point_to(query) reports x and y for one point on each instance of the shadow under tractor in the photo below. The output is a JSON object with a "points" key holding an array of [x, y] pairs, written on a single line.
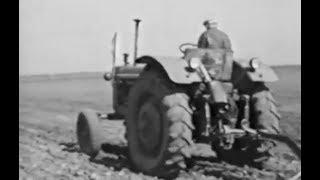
{"points": [[169, 104]]}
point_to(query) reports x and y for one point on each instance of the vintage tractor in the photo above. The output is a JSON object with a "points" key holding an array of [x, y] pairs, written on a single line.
{"points": [[171, 103]]}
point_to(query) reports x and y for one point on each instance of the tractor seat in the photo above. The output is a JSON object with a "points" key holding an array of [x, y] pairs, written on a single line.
{"points": [[218, 60]]}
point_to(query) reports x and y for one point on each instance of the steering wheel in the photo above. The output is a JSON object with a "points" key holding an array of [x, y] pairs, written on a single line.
{"points": [[184, 46]]}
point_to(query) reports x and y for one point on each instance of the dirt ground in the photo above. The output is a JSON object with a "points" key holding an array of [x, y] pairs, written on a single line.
{"points": [[48, 148]]}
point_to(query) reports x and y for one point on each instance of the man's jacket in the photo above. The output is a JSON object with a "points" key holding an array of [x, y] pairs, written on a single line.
{"points": [[214, 39]]}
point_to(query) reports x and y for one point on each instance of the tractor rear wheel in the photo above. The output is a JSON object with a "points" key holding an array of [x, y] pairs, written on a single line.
{"points": [[89, 132], [159, 126], [264, 116], [264, 111]]}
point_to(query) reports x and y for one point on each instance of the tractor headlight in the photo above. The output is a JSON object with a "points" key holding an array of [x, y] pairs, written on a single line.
{"points": [[107, 76], [254, 63], [194, 62]]}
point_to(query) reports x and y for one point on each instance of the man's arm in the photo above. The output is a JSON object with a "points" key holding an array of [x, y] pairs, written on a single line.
{"points": [[227, 43], [202, 43]]}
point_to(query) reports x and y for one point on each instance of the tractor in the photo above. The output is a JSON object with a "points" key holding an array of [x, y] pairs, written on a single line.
{"points": [[169, 104]]}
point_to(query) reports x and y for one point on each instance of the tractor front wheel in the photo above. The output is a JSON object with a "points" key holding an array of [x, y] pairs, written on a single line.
{"points": [[89, 132]]}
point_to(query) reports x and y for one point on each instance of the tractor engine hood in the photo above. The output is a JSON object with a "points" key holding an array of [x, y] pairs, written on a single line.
{"points": [[128, 71]]}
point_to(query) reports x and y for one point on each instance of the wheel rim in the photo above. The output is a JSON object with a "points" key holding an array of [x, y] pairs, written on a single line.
{"points": [[147, 147], [148, 127]]}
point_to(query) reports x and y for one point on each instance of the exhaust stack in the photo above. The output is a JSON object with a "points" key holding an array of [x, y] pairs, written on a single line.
{"points": [[137, 21]]}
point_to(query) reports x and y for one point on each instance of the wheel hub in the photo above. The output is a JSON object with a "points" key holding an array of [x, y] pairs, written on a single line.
{"points": [[149, 126]]}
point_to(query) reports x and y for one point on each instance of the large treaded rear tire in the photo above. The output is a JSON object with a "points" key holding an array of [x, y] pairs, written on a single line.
{"points": [[264, 111], [89, 132], [174, 132]]}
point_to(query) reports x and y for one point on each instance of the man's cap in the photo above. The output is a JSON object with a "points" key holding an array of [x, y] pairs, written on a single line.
{"points": [[210, 21]]}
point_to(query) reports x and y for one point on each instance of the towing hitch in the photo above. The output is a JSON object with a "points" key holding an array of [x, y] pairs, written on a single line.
{"points": [[246, 131]]}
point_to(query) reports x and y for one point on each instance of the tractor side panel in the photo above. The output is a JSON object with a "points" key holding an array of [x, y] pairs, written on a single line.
{"points": [[125, 77], [174, 67]]}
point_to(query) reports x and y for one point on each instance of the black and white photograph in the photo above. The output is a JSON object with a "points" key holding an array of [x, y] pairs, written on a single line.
{"points": [[160, 89]]}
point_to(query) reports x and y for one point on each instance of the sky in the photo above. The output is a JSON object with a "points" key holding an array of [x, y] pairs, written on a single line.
{"points": [[62, 36]]}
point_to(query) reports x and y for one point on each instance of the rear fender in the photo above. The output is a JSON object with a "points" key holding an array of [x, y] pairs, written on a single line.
{"points": [[175, 68], [262, 74], [246, 81]]}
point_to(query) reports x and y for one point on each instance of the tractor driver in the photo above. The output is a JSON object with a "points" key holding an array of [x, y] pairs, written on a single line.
{"points": [[213, 38]]}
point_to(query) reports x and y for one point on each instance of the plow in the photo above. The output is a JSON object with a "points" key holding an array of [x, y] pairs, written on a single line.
{"points": [[168, 104]]}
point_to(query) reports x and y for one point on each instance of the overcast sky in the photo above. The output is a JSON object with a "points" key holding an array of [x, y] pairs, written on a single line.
{"points": [[58, 36]]}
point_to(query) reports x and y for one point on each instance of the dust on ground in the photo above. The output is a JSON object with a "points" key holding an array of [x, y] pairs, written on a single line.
{"points": [[47, 142]]}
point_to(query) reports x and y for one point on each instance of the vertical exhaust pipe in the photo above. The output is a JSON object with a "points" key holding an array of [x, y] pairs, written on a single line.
{"points": [[137, 21]]}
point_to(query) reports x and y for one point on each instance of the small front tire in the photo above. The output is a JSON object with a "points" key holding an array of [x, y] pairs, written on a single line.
{"points": [[89, 132]]}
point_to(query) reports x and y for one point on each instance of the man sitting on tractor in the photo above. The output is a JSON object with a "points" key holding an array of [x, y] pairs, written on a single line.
{"points": [[213, 38]]}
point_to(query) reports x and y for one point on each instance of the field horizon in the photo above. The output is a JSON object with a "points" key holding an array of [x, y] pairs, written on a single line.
{"points": [[97, 74]]}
